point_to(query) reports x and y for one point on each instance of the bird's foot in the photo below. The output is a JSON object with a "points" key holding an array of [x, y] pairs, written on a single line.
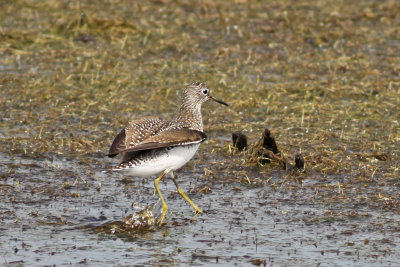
{"points": [[163, 215]]}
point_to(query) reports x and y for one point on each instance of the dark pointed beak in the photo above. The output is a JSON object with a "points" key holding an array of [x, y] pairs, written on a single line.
{"points": [[218, 101]]}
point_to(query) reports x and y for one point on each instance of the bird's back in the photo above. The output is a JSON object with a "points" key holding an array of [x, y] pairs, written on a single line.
{"points": [[151, 133], [136, 133]]}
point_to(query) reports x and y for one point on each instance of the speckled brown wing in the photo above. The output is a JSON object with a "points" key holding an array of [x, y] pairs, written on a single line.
{"points": [[135, 133], [118, 144], [175, 137]]}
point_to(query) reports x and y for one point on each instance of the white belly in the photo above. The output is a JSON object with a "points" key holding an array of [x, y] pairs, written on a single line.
{"points": [[173, 159]]}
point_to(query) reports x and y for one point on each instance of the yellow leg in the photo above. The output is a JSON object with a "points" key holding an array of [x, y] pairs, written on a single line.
{"points": [[164, 208], [180, 191]]}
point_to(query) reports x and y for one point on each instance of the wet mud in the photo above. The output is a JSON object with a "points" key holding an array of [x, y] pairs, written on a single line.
{"points": [[55, 211]]}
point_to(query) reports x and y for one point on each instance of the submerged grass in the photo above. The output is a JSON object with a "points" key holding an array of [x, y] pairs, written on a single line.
{"points": [[324, 76]]}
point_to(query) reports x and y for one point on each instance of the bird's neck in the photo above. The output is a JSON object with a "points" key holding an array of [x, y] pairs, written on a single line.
{"points": [[190, 116]]}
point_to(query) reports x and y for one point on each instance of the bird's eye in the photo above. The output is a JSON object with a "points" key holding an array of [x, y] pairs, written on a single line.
{"points": [[205, 91]]}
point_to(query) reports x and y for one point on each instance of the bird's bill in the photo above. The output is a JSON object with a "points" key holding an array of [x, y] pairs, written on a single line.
{"points": [[218, 101]]}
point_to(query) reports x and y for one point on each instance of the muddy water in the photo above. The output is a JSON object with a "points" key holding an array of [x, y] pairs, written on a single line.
{"points": [[50, 208]]}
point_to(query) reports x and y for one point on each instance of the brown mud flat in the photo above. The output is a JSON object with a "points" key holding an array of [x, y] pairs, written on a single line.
{"points": [[323, 76]]}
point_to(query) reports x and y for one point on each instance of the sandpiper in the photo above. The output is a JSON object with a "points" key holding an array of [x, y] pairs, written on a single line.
{"points": [[151, 146]]}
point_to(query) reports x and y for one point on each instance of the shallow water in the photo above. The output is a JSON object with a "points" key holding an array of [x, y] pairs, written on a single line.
{"points": [[50, 209]]}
